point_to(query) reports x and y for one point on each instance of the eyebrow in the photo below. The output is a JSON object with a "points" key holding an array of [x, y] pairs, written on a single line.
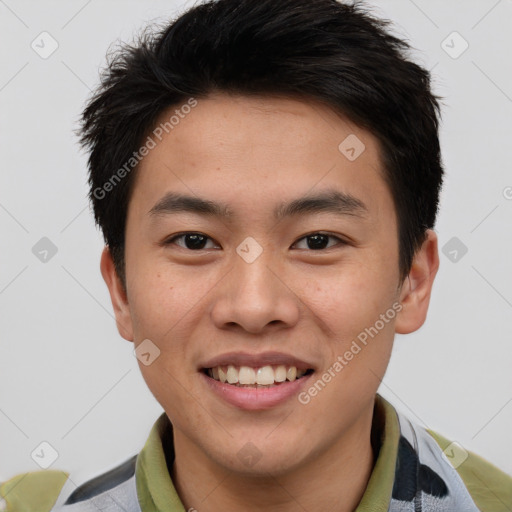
{"points": [[329, 201]]}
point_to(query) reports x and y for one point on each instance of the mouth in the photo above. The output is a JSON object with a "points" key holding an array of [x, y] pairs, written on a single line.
{"points": [[255, 382], [267, 376]]}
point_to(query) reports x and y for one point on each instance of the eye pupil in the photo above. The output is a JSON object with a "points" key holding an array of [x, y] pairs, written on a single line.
{"points": [[317, 241], [197, 241], [194, 241]]}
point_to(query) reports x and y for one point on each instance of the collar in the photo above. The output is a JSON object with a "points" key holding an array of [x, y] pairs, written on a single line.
{"points": [[156, 491]]}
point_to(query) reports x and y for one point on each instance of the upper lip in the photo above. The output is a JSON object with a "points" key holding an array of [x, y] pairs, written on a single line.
{"points": [[256, 360]]}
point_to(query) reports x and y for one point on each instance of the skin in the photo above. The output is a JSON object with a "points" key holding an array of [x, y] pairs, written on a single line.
{"points": [[253, 154]]}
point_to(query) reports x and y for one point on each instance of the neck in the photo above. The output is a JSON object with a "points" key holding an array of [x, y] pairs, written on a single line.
{"points": [[333, 480]]}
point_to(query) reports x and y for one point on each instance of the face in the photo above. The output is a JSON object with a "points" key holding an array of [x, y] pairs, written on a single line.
{"points": [[259, 248]]}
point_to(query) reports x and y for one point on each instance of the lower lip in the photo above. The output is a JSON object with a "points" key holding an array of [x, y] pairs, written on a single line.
{"points": [[254, 399]]}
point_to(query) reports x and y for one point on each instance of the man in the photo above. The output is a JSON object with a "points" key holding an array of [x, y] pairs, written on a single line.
{"points": [[266, 175]]}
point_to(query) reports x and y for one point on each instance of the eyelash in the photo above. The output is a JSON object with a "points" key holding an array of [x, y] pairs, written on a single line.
{"points": [[169, 241]]}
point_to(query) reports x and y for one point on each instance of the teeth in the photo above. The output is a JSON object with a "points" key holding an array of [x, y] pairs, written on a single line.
{"points": [[265, 375], [280, 373], [256, 377], [247, 375], [232, 374]]}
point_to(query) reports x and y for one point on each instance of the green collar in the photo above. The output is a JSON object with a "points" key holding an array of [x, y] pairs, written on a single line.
{"points": [[377, 496], [157, 493]]}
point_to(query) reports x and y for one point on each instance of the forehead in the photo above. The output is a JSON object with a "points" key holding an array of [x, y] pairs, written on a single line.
{"points": [[231, 125], [255, 150]]}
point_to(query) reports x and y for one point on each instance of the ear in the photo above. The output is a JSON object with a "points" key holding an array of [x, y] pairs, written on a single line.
{"points": [[117, 295], [416, 288]]}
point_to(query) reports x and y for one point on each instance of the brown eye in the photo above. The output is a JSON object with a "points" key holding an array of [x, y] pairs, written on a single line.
{"points": [[319, 241], [191, 241]]}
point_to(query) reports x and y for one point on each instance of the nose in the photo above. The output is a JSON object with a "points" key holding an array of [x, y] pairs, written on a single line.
{"points": [[255, 296]]}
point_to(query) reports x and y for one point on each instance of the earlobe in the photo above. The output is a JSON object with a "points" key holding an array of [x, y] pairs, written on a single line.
{"points": [[417, 287], [117, 295]]}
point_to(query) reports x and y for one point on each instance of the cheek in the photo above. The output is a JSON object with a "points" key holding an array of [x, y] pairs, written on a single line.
{"points": [[166, 308], [351, 297], [160, 299]]}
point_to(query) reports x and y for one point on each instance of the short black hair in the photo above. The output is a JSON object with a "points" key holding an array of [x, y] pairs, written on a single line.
{"points": [[324, 50]]}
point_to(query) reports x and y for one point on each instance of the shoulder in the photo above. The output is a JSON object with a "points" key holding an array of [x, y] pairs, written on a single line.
{"points": [[490, 487], [35, 491], [434, 473], [52, 491]]}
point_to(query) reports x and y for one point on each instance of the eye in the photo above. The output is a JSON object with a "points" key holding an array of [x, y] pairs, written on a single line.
{"points": [[191, 241], [318, 241], [198, 241]]}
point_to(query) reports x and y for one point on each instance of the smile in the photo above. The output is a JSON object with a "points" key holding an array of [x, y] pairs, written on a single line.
{"points": [[263, 376]]}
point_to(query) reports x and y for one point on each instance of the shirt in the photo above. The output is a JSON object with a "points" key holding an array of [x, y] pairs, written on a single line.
{"points": [[416, 470]]}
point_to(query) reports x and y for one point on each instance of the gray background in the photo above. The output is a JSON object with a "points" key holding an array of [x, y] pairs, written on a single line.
{"points": [[66, 376]]}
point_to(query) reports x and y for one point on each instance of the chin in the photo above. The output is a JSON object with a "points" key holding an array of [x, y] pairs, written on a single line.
{"points": [[259, 458], [267, 465]]}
